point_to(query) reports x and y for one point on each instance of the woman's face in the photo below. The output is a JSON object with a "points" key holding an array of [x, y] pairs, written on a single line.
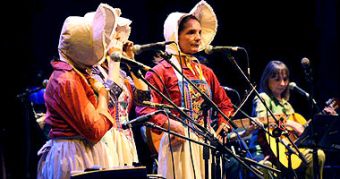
{"points": [[278, 83], [190, 37]]}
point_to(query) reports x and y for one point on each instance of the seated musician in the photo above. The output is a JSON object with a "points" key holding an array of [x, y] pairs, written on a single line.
{"points": [[275, 93]]}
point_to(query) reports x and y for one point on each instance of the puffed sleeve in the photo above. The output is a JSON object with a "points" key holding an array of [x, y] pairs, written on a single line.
{"points": [[80, 113]]}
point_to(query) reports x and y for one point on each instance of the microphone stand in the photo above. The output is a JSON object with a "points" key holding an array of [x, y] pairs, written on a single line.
{"points": [[315, 107], [210, 136], [206, 155], [27, 112], [243, 102], [279, 131]]}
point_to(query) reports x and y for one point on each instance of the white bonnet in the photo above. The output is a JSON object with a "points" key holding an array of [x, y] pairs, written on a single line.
{"points": [[205, 15], [83, 40]]}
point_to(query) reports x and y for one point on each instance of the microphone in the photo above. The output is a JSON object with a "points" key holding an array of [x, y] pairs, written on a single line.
{"points": [[137, 49], [139, 120], [305, 63], [292, 85], [210, 49], [163, 106], [116, 56], [228, 88], [29, 91], [44, 83]]}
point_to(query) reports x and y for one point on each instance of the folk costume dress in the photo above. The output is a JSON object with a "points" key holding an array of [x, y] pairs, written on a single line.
{"points": [[76, 126]]}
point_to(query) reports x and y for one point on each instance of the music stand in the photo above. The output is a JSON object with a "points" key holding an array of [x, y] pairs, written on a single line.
{"points": [[325, 136], [125, 172], [323, 132]]}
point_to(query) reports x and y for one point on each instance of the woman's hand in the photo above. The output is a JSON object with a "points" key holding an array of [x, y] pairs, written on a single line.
{"points": [[297, 127], [330, 111], [128, 50], [250, 130], [97, 86], [176, 127]]}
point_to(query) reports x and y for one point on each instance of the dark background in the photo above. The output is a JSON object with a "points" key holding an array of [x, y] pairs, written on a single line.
{"points": [[284, 30]]}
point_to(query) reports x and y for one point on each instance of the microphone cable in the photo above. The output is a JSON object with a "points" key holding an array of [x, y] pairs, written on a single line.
{"points": [[171, 150], [248, 64], [183, 97]]}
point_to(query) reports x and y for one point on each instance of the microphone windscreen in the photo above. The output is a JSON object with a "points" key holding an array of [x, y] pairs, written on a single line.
{"points": [[305, 61], [292, 85], [136, 49], [45, 82], [208, 49]]}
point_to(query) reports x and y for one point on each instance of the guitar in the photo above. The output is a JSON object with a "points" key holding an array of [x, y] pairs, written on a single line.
{"points": [[330, 109], [268, 142], [153, 140]]}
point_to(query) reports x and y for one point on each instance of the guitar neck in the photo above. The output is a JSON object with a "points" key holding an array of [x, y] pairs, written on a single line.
{"points": [[246, 122], [242, 123]]}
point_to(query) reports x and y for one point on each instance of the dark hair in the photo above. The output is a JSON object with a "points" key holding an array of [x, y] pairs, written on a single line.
{"points": [[273, 69], [184, 20]]}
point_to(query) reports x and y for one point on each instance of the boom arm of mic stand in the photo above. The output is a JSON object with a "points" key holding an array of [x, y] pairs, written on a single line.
{"points": [[202, 133], [314, 105], [242, 103], [29, 91], [154, 126], [232, 59]]}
